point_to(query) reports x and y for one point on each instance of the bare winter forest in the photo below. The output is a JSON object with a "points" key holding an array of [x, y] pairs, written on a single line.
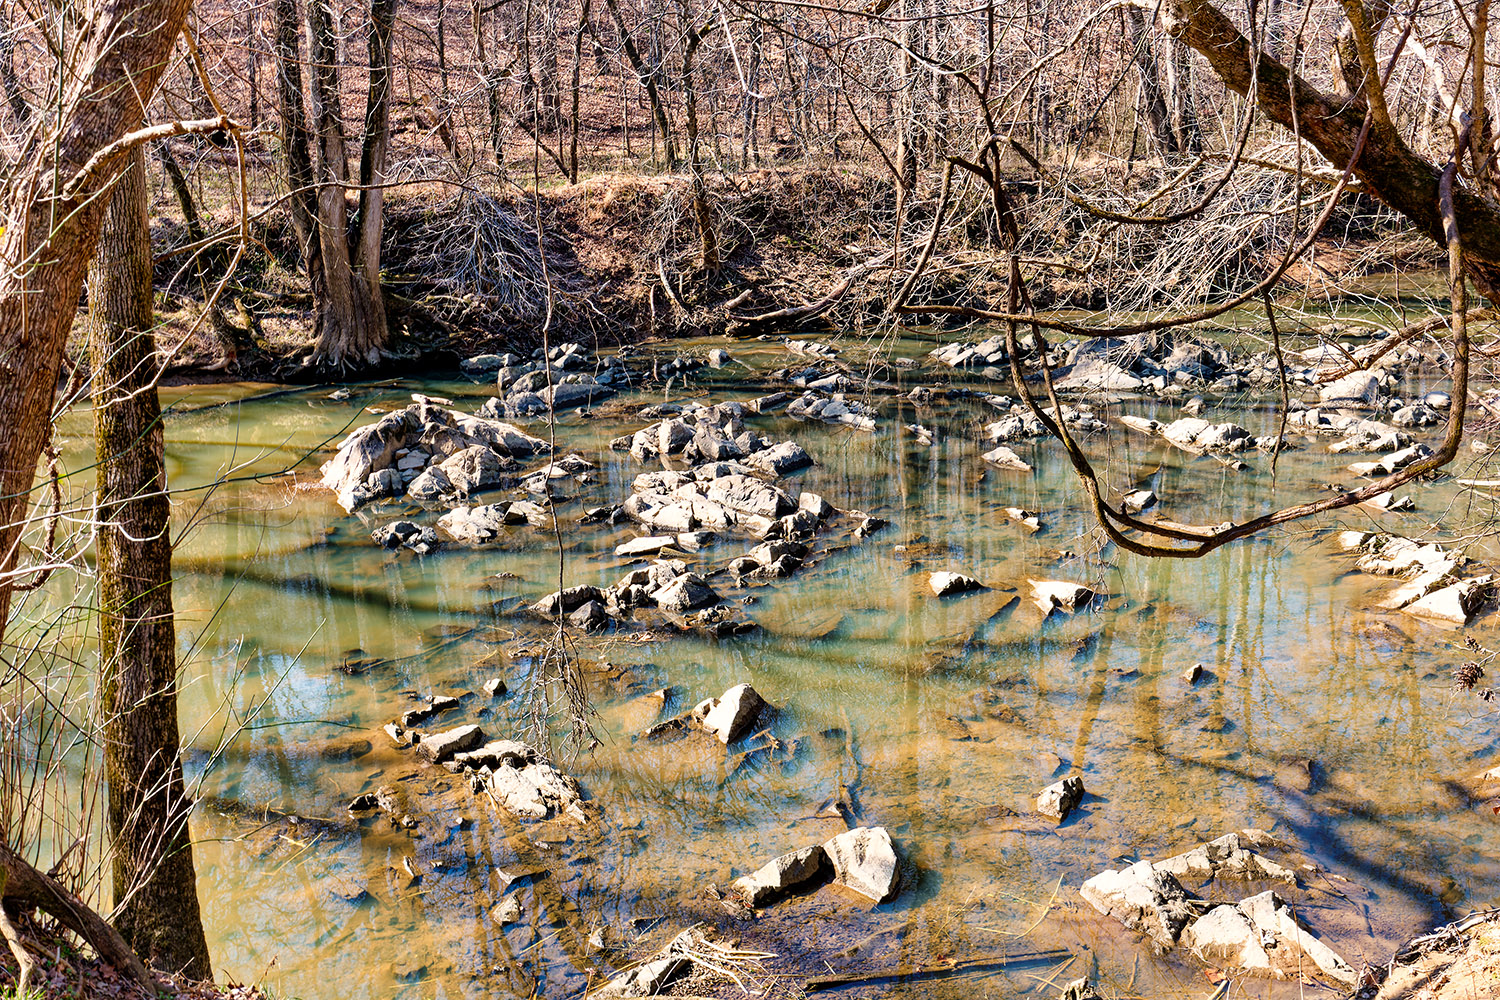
{"points": [[1285, 209], [619, 169]]}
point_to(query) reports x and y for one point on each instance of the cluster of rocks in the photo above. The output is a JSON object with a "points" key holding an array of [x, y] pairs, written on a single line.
{"points": [[862, 860], [1434, 587], [666, 585], [428, 452], [694, 433], [1020, 424], [833, 409], [566, 378], [987, 354], [1164, 364], [518, 777], [1259, 935], [1199, 436], [463, 525]]}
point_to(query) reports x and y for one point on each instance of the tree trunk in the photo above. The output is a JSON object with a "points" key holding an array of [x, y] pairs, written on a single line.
{"points": [[349, 324], [369, 224], [647, 76], [52, 214], [1149, 75], [155, 887], [294, 139], [708, 240]]}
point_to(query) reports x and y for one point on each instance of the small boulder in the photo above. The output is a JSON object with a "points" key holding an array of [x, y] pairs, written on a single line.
{"points": [[733, 714], [1353, 389], [946, 584], [864, 860], [439, 747], [687, 592], [1261, 936], [1060, 595], [1002, 457], [1455, 603], [565, 602], [1058, 800], [1142, 899], [781, 875]]}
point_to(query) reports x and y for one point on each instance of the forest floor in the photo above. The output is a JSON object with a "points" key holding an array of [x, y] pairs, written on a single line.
{"points": [[62, 971]]}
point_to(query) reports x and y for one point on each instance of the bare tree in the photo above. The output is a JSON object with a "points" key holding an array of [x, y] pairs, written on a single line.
{"points": [[155, 887]]}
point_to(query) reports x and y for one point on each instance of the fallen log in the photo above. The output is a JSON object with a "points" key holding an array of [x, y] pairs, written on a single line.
{"points": [[29, 888]]}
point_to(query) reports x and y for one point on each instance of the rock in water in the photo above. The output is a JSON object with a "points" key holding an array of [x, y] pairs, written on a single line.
{"points": [[1455, 603], [864, 860], [1262, 937], [731, 715], [1228, 857], [1004, 458], [1060, 595], [438, 747], [685, 593], [944, 584], [777, 877], [1059, 799], [1354, 388], [1142, 899]]}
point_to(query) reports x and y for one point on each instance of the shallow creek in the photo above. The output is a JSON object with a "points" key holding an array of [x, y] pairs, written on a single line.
{"points": [[301, 637]]}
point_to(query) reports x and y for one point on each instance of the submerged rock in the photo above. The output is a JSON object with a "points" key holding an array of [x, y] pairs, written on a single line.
{"points": [[864, 860]]}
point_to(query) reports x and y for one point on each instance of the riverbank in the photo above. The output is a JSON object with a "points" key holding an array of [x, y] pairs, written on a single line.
{"points": [[807, 247], [61, 970]]}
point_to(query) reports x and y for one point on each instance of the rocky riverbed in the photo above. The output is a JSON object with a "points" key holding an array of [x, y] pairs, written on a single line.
{"points": [[870, 705]]}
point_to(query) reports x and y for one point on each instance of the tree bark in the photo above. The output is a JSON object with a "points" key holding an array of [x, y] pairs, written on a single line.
{"points": [[154, 881], [51, 218], [349, 325], [1149, 75]]}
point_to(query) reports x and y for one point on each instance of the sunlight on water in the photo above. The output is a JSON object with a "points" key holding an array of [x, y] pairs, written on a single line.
{"points": [[301, 638]]}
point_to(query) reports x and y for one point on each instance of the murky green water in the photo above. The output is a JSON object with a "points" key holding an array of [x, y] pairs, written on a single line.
{"points": [[947, 716]]}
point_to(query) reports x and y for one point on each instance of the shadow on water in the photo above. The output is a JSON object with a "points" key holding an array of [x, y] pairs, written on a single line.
{"points": [[938, 719]]}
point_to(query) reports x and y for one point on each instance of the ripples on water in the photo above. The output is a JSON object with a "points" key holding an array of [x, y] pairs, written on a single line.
{"points": [[953, 714]]}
